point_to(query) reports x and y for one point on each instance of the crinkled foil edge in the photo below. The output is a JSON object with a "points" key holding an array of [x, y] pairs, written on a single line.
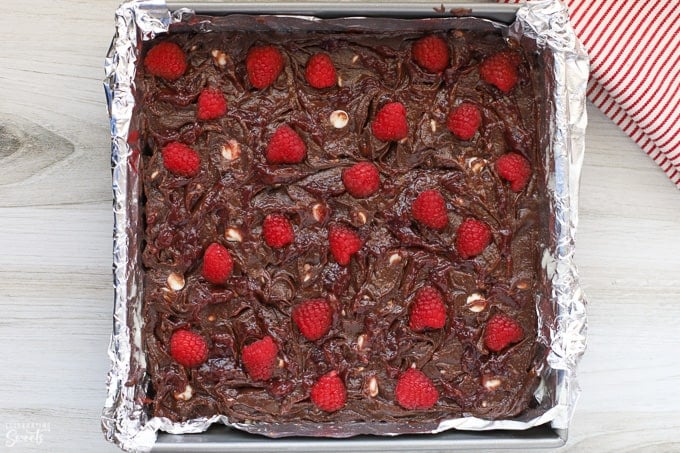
{"points": [[547, 21], [124, 420]]}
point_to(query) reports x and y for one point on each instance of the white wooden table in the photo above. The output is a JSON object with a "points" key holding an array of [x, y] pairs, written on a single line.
{"points": [[55, 253]]}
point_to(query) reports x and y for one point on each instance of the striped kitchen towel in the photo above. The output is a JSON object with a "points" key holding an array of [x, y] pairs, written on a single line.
{"points": [[634, 48]]}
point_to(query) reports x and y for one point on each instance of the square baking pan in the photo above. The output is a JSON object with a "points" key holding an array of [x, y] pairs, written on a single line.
{"points": [[222, 438], [562, 322]]}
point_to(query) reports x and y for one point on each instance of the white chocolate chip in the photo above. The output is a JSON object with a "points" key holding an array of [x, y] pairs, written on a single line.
{"points": [[175, 281], [231, 150], [211, 317], [319, 212], [522, 284], [219, 57], [281, 363], [233, 235], [491, 383], [339, 119], [361, 339], [433, 125], [403, 140], [395, 258], [154, 175], [476, 164], [308, 275], [355, 58], [185, 395], [473, 297], [484, 404], [339, 81], [476, 302], [373, 387], [361, 217]]}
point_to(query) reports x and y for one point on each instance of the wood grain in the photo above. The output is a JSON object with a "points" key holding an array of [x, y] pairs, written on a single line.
{"points": [[55, 252]]}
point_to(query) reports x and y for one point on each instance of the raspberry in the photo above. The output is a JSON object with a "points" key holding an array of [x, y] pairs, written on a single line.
{"points": [[464, 121], [343, 244], [431, 53], [502, 331], [429, 208], [320, 72], [259, 358], [415, 390], [329, 393], [361, 180], [180, 159], [390, 123], [472, 238], [277, 231], [313, 318], [500, 70], [286, 147], [514, 168], [166, 60], [264, 64], [217, 264], [428, 310], [188, 348], [211, 104]]}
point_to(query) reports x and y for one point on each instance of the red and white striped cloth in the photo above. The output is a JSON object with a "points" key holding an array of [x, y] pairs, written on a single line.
{"points": [[634, 48]]}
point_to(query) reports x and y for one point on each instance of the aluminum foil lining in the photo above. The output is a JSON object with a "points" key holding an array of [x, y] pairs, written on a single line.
{"points": [[545, 23]]}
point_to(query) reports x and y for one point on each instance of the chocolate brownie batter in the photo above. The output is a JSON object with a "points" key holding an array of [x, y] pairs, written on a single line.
{"points": [[370, 342]]}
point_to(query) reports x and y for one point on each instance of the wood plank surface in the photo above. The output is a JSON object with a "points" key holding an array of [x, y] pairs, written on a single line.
{"points": [[55, 253]]}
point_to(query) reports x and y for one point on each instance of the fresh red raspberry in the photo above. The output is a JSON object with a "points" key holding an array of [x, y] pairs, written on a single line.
{"points": [[429, 208], [313, 317], [501, 331], [415, 390], [264, 64], [181, 160], [188, 348], [464, 121], [431, 53], [343, 244], [428, 310], [329, 393], [514, 168], [286, 147], [166, 60], [320, 72], [361, 180], [211, 104], [472, 238], [259, 358], [390, 123], [217, 264], [277, 231], [500, 70]]}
